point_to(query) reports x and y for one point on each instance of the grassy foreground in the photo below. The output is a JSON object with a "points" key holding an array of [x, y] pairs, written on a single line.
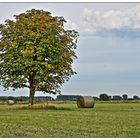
{"points": [[66, 120]]}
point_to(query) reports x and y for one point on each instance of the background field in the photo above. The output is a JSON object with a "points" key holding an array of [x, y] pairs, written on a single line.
{"points": [[66, 120]]}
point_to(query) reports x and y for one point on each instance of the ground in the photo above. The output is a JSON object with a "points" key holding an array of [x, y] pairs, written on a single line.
{"points": [[66, 120]]}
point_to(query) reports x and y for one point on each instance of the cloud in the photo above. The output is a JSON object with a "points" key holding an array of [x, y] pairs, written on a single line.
{"points": [[122, 32], [115, 22]]}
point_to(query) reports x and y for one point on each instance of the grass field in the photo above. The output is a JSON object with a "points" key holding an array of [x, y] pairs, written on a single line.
{"points": [[66, 120]]}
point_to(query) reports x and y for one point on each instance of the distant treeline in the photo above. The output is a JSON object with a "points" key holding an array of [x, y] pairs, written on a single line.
{"points": [[25, 98], [106, 97], [67, 98]]}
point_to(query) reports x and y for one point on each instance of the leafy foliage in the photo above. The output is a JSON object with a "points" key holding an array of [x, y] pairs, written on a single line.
{"points": [[104, 97], [36, 52]]}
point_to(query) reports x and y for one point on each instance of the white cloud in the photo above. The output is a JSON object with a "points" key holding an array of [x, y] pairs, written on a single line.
{"points": [[93, 21]]}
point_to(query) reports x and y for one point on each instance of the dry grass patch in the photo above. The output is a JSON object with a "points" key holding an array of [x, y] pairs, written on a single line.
{"points": [[37, 106]]}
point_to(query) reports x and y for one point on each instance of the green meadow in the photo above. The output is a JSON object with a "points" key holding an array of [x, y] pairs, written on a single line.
{"points": [[65, 120]]}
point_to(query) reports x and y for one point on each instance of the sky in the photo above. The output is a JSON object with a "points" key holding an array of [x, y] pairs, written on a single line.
{"points": [[108, 46]]}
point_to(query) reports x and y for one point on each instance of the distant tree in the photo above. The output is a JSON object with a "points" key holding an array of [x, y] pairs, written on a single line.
{"points": [[135, 97], [104, 97], [36, 52], [125, 96], [3, 98], [11, 98]]}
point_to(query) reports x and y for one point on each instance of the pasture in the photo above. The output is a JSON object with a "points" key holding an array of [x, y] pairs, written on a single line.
{"points": [[66, 120]]}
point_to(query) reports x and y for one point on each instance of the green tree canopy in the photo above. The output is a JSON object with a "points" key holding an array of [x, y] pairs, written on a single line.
{"points": [[104, 97], [36, 52]]}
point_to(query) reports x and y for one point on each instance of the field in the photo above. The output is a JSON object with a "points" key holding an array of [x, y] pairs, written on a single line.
{"points": [[66, 120]]}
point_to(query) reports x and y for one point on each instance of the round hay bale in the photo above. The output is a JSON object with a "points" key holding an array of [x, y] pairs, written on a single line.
{"points": [[10, 102], [85, 102]]}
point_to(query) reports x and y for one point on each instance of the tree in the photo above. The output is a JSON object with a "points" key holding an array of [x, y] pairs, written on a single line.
{"points": [[125, 96], [36, 52], [104, 97]]}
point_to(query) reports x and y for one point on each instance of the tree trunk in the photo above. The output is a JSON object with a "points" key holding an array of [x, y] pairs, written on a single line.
{"points": [[32, 90], [31, 96]]}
